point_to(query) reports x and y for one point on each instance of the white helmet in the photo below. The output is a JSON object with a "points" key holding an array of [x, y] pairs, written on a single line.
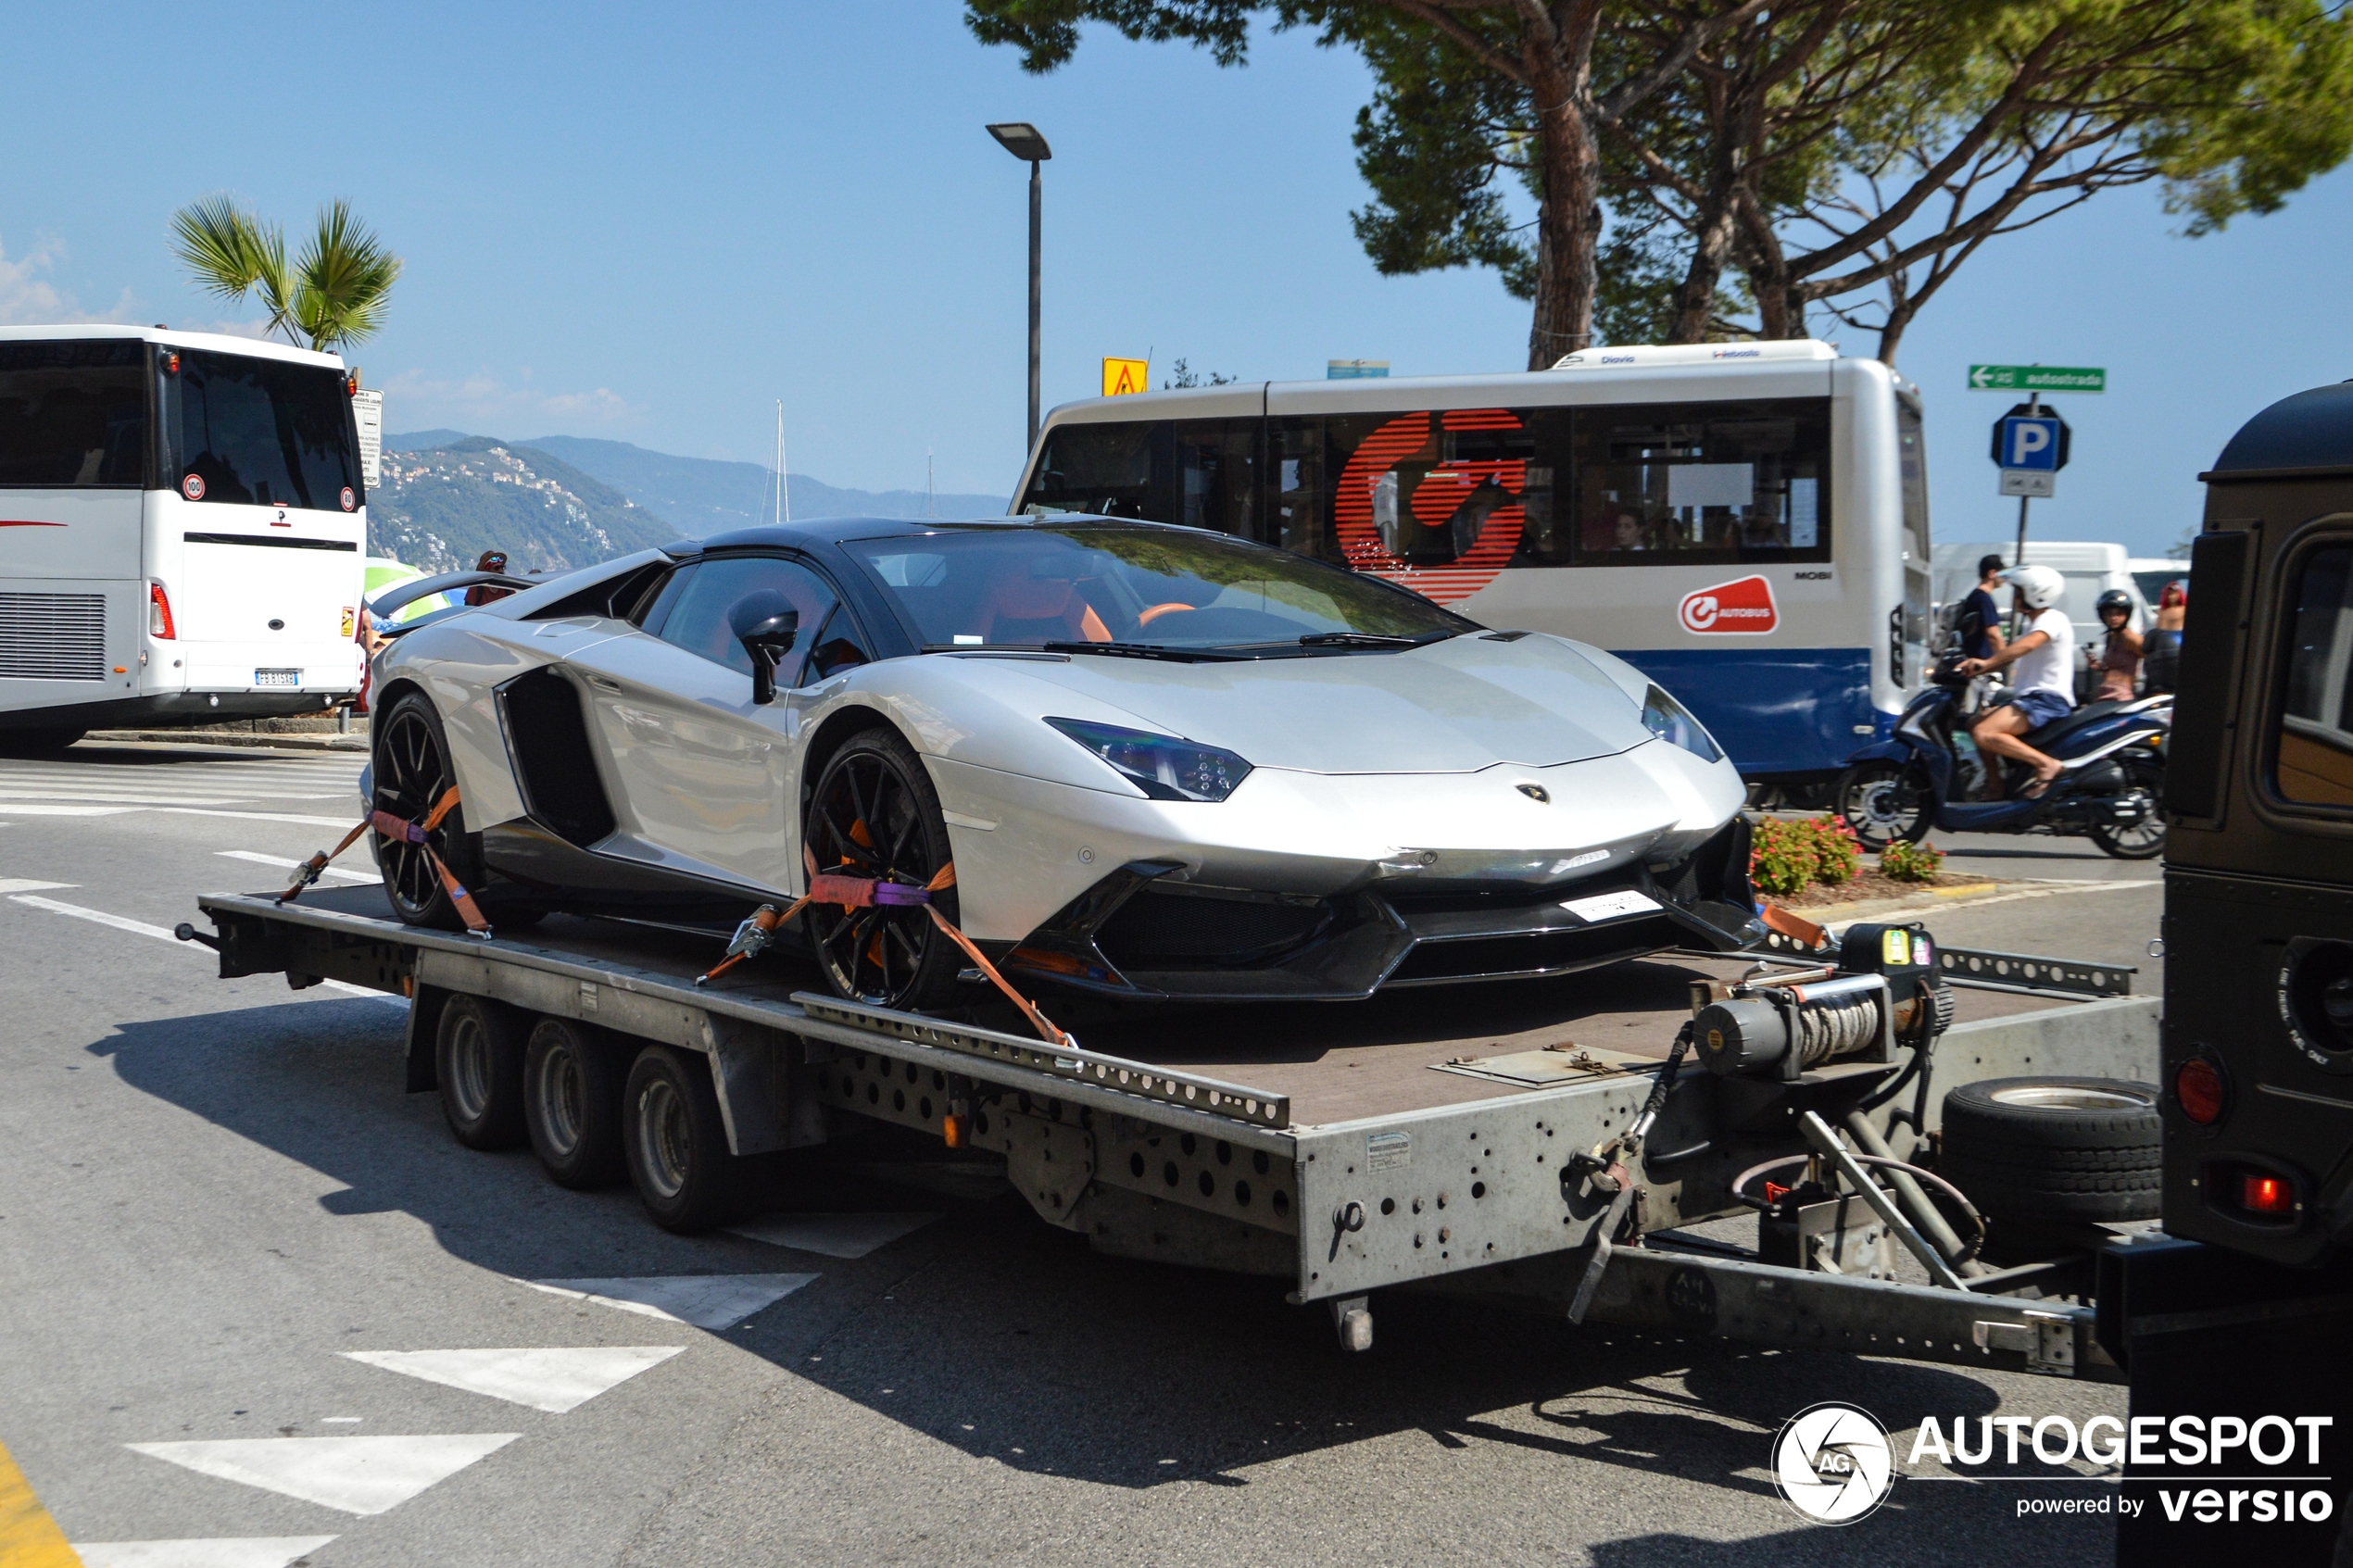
{"points": [[2039, 585]]}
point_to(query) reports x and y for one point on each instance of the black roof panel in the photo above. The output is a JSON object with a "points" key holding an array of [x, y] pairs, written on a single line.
{"points": [[2311, 430]]}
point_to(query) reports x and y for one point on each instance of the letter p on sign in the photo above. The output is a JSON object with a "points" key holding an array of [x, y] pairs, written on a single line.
{"points": [[2031, 444]]}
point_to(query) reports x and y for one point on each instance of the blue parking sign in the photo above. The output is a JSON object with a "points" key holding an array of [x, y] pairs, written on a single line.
{"points": [[2032, 442]]}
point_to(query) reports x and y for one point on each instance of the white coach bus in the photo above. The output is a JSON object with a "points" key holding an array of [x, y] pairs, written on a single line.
{"points": [[1747, 523], [181, 526]]}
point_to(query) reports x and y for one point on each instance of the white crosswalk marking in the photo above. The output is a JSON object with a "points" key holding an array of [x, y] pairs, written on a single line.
{"points": [[219, 1551], [712, 1301], [360, 1475], [550, 1380], [336, 872]]}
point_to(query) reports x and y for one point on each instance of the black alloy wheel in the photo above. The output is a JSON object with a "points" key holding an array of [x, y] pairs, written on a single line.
{"points": [[2142, 836], [1885, 801], [411, 772], [875, 815]]}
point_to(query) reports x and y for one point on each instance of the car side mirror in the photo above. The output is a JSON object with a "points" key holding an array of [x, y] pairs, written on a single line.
{"points": [[767, 641]]}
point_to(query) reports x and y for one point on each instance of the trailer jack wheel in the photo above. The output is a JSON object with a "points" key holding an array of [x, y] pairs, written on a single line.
{"points": [[1352, 1316]]}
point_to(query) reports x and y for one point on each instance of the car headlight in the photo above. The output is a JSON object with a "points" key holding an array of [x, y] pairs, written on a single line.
{"points": [[1671, 722], [1161, 766]]}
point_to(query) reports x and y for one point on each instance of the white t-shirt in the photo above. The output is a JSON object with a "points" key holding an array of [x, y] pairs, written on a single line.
{"points": [[2051, 667]]}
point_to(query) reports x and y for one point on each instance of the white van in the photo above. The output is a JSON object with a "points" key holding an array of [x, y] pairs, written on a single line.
{"points": [[2090, 569], [181, 525]]}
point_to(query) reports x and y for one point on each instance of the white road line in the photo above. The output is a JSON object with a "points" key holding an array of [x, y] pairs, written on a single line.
{"points": [[26, 884], [712, 1301], [10, 796], [141, 928], [552, 1380], [247, 816], [38, 808], [219, 1551], [259, 859], [360, 1475], [834, 1235]]}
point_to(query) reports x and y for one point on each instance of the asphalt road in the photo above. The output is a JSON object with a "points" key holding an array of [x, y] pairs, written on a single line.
{"points": [[215, 1201]]}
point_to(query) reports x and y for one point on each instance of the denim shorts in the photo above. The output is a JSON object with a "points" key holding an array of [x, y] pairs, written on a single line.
{"points": [[2041, 708]]}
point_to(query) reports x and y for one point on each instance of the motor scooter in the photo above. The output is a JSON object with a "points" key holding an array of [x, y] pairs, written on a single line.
{"points": [[2110, 789]]}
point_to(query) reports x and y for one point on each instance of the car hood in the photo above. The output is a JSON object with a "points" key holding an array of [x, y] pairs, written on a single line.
{"points": [[1455, 707]]}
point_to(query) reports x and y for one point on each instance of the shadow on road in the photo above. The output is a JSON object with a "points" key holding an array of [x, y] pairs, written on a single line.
{"points": [[1000, 1337]]}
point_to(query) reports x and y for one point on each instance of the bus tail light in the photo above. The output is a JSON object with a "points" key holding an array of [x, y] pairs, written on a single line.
{"points": [[160, 613]]}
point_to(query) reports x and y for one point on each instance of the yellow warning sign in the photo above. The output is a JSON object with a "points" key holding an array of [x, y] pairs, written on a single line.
{"points": [[1123, 376]]}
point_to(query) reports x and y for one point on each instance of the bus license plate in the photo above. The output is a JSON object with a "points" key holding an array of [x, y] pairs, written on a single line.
{"points": [[277, 677]]}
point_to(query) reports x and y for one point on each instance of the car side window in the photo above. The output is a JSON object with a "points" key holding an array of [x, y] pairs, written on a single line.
{"points": [[838, 647], [721, 590], [2312, 736]]}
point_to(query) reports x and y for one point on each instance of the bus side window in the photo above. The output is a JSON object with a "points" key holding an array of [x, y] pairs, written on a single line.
{"points": [[1125, 469], [1719, 482], [1217, 477], [1295, 500]]}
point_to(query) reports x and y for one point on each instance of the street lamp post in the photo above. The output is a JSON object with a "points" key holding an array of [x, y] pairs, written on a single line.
{"points": [[1023, 142]]}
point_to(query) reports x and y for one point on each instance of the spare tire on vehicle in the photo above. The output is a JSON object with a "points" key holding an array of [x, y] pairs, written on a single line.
{"points": [[2032, 1153]]}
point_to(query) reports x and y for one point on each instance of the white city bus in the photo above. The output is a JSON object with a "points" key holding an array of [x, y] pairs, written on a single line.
{"points": [[1745, 522], [181, 526]]}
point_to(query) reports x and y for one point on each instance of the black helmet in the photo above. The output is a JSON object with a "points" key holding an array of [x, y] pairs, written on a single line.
{"points": [[2115, 598]]}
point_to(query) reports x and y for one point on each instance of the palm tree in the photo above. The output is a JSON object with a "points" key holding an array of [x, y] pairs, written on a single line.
{"points": [[334, 291]]}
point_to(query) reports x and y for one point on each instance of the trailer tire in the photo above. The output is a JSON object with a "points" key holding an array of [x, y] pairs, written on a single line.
{"points": [[2035, 1151], [675, 1142], [478, 1052], [572, 1076]]}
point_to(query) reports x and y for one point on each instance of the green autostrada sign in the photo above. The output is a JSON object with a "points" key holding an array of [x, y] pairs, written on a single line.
{"points": [[2037, 378]]}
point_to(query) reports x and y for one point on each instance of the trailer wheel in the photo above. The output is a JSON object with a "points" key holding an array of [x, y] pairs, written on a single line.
{"points": [[675, 1142], [573, 1081], [2035, 1151], [478, 1053]]}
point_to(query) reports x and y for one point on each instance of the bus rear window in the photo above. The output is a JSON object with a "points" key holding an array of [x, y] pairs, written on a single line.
{"points": [[73, 415], [261, 433]]}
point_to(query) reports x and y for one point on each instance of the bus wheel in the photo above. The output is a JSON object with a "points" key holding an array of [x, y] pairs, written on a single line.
{"points": [[1885, 801]]}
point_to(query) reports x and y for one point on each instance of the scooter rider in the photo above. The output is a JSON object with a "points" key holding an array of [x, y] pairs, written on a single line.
{"points": [[2042, 689]]}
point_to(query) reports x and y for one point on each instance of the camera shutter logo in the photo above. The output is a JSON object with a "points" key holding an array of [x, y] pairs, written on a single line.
{"points": [[1833, 1462]]}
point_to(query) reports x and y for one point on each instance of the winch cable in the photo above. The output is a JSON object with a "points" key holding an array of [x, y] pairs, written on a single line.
{"points": [[1609, 1163], [400, 831], [1969, 1248], [754, 935]]}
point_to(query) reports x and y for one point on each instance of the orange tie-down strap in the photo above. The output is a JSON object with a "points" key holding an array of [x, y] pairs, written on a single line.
{"points": [[400, 830], [863, 893], [1797, 927]]}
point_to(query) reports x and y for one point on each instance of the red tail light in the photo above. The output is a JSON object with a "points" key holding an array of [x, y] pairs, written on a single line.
{"points": [[2199, 1090], [160, 613], [2265, 1195]]}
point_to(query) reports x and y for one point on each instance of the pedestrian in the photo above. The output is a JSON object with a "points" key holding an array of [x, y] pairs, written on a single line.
{"points": [[1981, 621], [2120, 662], [487, 593], [2163, 664]]}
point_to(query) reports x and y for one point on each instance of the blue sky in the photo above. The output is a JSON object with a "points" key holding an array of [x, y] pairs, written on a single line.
{"points": [[649, 224]]}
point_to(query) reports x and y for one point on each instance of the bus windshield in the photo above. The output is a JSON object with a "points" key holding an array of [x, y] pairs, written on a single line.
{"points": [[73, 415], [1165, 589], [257, 432]]}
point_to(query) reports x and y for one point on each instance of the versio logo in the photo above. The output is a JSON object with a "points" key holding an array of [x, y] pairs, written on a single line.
{"points": [[1831, 1463], [1742, 605]]}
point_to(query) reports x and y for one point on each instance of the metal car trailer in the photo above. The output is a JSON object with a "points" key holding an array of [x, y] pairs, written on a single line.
{"points": [[1362, 1149]]}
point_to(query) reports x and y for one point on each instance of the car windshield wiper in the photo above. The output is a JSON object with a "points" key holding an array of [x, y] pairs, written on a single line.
{"points": [[1138, 650], [1369, 640]]}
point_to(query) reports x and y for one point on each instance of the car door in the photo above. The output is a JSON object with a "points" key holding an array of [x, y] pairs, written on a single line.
{"points": [[702, 771]]}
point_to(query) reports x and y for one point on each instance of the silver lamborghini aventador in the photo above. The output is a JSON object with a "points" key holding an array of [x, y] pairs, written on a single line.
{"points": [[1166, 763]]}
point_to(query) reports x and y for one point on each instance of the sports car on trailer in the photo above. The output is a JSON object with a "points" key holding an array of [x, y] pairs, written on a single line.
{"points": [[1166, 763]]}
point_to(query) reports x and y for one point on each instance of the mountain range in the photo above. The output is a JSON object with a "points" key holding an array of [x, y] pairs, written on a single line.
{"points": [[557, 502]]}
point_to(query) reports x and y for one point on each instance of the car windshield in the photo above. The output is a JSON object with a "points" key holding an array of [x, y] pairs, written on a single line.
{"points": [[1169, 590]]}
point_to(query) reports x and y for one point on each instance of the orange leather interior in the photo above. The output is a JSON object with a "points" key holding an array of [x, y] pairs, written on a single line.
{"points": [[1027, 598]]}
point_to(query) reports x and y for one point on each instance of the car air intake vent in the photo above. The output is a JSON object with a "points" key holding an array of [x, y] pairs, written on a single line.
{"points": [[1158, 930], [53, 637], [1549, 952]]}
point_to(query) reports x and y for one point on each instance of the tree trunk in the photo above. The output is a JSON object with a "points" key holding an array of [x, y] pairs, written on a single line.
{"points": [[1695, 299], [1568, 219]]}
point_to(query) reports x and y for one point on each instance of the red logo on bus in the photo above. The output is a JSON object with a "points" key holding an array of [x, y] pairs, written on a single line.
{"points": [[1742, 605], [1414, 506]]}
